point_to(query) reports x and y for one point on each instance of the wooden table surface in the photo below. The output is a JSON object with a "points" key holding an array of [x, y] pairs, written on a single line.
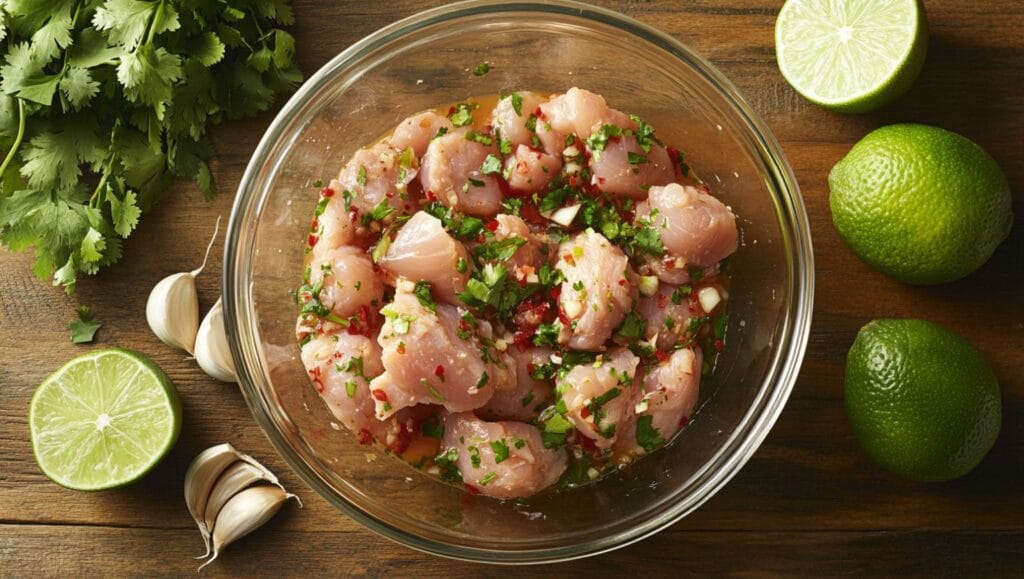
{"points": [[809, 502]]}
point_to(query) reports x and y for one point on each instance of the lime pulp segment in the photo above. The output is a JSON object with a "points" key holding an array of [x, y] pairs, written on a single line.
{"points": [[103, 420], [837, 52]]}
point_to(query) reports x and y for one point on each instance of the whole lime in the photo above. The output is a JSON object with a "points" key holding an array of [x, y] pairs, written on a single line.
{"points": [[920, 203], [921, 400]]}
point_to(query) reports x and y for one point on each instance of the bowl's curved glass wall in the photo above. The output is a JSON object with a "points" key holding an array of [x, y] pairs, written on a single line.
{"points": [[428, 60]]}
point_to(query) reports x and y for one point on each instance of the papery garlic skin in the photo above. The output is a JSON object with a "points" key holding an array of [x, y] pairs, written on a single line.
{"points": [[244, 513], [238, 476], [172, 311], [200, 478], [211, 346]]}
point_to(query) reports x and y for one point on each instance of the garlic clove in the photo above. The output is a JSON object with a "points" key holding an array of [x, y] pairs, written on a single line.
{"points": [[205, 473], [172, 311], [211, 348], [202, 474], [244, 513], [238, 476]]}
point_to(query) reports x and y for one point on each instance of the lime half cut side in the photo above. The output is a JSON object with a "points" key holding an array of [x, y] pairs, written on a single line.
{"points": [[103, 420], [851, 55]]}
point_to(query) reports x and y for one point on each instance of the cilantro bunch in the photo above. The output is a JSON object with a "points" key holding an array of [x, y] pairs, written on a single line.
{"points": [[104, 103]]}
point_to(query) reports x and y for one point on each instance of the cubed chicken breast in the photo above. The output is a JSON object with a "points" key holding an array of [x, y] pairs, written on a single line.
{"points": [[693, 224], [623, 168], [529, 395], [380, 174], [503, 460], [347, 280], [599, 288], [417, 131], [423, 251], [600, 397], [463, 173]]}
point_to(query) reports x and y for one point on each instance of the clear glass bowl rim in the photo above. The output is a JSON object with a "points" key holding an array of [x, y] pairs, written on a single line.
{"points": [[787, 355]]}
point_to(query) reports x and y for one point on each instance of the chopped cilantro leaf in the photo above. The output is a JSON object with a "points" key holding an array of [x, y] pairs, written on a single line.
{"points": [[648, 241], [463, 114], [646, 435], [484, 378], [422, 292], [491, 165], [547, 334], [446, 461], [487, 478], [350, 388], [599, 139], [83, 330], [379, 213], [635, 158], [721, 321], [505, 147], [517, 103], [432, 427], [481, 69], [632, 327], [512, 205], [681, 293], [481, 138], [500, 451], [501, 250]]}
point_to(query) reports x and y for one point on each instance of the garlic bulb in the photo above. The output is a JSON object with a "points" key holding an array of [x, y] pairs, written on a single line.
{"points": [[211, 349], [172, 309], [244, 513]]}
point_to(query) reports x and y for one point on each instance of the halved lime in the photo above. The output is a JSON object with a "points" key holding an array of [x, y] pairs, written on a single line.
{"points": [[851, 55], [103, 420]]}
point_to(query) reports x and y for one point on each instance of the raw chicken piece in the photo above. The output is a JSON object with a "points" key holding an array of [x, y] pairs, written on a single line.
{"points": [[693, 225], [528, 396], [478, 449], [423, 251], [613, 173], [528, 258], [433, 357], [664, 318], [511, 125], [417, 131], [580, 112], [335, 225], [600, 398], [377, 174], [348, 280], [451, 171], [598, 290], [339, 364], [530, 171], [670, 392]]}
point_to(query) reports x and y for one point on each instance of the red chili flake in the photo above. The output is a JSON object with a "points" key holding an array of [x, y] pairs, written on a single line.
{"points": [[380, 395], [673, 154], [719, 345], [451, 111], [480, 238], [539, 113], [401, 348], [464, 326], [556, 292], [584, 412], [316, 375], [365, 436], [587, 444], [601, 180], [492, 225], [522, 339], [353, 330], [403, 438], [622, 282], [315, 225], [471, 489], [327, 192], [563, 318], [530, 367], [573, 180], [313, 239], [662, 301], [364, 313], [668, 262], [684, 421], [389, 194], [439, 371], [431, 196], [661, 356], [568, 258]]}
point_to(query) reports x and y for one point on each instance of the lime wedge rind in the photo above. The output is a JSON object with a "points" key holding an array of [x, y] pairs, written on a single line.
{"points": [[103, 420]]}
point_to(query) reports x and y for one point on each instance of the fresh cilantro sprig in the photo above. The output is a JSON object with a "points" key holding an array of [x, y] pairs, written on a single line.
{"points": [[83, 330], [105, 103]]}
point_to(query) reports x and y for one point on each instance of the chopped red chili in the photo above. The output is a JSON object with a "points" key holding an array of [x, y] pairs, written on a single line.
{"points": [[380, 395], [327, 192]]}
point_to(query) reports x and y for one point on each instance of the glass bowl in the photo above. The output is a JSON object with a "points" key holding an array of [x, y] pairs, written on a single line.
{"points": [[426, 60]]}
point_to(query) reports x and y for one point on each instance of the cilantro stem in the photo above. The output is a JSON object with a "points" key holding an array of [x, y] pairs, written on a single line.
{"points": [[17, 140], [157, 17]]}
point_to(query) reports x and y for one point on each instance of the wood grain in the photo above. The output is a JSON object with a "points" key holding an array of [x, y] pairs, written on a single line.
{"points": [[809, 503]]}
